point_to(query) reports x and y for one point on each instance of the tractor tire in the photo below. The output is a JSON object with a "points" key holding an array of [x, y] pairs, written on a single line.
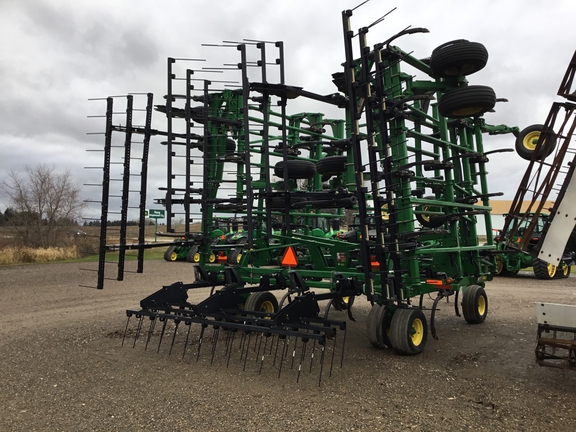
{"points": [[408, 331], [378, 327], [458, 57], [191, 255], [501, 269], [474, 304], [468, 101], [430, 220], [263, 301], [543, 270], [297, 169], [170, 255], [526, 143], [331, 165], [234, 257]]}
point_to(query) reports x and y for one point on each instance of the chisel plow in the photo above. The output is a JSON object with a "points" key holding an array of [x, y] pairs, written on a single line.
{"points": [[403, 155]]}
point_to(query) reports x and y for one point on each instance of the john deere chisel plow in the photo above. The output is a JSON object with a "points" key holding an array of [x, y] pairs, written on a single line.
{"points": [[401, 154]]}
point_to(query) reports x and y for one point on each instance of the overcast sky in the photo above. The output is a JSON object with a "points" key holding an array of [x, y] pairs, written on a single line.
{"points": [[57, 54]]}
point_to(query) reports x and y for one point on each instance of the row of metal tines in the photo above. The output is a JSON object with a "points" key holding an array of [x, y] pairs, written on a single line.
{"points": [[258, 333]]}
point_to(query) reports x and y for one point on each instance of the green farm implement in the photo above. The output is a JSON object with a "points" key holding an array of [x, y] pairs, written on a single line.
{"points": [[402, 149]]}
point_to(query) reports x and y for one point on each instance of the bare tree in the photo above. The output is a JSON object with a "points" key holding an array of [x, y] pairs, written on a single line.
{"points": [[47, 203]]}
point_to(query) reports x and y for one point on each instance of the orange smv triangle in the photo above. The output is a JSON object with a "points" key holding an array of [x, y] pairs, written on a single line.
{"points": [[289, 258]]}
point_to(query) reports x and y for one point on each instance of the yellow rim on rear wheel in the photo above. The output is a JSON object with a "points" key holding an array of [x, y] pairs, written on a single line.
{"points": [[267, 307], [173, 256], [530, 140], [551, 270], [481, 305], [417, 332]]}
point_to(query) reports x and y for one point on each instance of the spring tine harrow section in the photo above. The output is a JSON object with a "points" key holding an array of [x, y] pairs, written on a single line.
{"points": [[257, 337]]}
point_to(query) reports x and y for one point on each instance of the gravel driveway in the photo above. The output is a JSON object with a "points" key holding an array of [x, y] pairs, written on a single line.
{"points": [[64, 369]]}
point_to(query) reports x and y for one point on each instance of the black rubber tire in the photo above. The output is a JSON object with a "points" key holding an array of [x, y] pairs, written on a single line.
{"points": [[527, 139], [563, 271], [263, 301], [234, 257], [468, 101], [474, 304], [378, 327], [543, 270], [191, 252], [458, 57], [170, 253], [430, 221], [408, 331], [501, 269], [297, 169], [230, 146], [331, 165]]}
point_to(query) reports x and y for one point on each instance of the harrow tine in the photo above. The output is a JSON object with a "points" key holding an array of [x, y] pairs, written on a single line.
{"points": [[294, 352], [200, 340], [333, 352], [263, 353], [187, 336], [126, 328], [247, 349], [150, 331], [165, 321], [138, 330], [215, 335], [312, 356], [176, 324], [343, 346], [230, 348], [276, 350], [242, 343], [304, 344], [259, 346], [284, 350], [323, 350]]}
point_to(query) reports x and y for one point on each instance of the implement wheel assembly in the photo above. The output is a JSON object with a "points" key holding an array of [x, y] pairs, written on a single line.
{"points": [[458, 57], [474, 304], [263, 301], [191, 255], [408, 331], [378, 326], [297, 169], [528, 138], [467, 101]]}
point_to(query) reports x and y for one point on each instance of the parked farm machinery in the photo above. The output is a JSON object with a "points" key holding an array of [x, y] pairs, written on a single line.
{"points": [[405, 154]]}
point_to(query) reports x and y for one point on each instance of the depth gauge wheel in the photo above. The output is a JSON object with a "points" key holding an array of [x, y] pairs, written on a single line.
{"points": [[378, 326], [468, 101], [528, 138], [408, 331], [458, 57], [474, 304], [234, 257], [331, 165], [263, 301], [430, 220]]}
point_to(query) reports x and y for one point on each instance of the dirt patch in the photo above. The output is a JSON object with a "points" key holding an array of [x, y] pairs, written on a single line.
{"points": [[63, 366]]}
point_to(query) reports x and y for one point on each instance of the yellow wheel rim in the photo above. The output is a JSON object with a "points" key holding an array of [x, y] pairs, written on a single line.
{"points": [[267, 307], [238, 258], [173, 256], [551, 270], [196, 257], [481, 305], [530, 140], [465, 112], [417, 332], [212, 258], [565, 269]]}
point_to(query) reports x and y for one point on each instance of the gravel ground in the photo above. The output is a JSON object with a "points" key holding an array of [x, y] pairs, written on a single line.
{"points": [[63, 367]]}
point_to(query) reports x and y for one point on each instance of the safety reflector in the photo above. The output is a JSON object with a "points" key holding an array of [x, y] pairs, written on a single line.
{"points": [[289, 258]]}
